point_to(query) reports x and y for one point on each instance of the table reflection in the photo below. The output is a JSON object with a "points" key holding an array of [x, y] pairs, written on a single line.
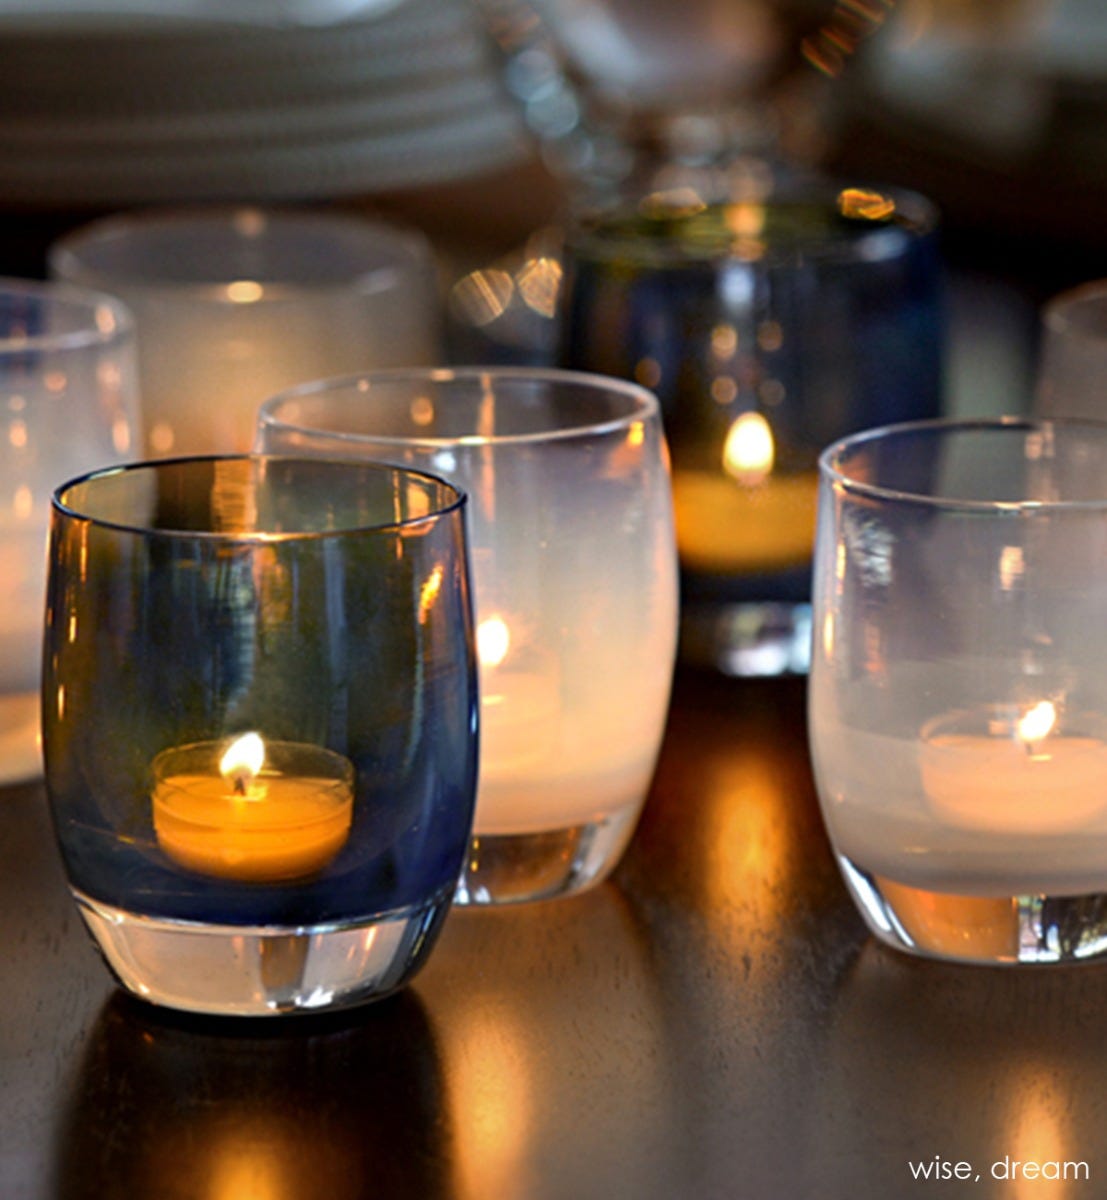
{"points": [[738, 837], [732, 873], [556, 1060], [997, 1046], [174, 1107]]}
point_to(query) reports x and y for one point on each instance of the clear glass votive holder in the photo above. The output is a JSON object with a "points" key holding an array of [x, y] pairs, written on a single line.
{"points": [[770, 317], [260, 724], [958, 690], [574, 572], [232, 305], [68, 403]]}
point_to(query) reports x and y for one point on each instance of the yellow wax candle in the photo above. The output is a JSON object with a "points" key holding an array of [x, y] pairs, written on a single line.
{"points": [[230, 814], [1022, 779], [727, 525]]}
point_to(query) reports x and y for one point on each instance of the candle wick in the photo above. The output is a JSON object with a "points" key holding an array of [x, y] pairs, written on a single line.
{"points": [[240, 784]]}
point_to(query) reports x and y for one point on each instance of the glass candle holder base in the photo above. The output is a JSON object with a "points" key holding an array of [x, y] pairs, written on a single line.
{"points": [[259, 971], [515, 867], [749, 639], [1000, 930]]}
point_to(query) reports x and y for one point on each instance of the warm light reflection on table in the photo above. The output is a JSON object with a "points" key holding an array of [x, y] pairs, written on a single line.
{"points": [[522, 1031], [685, 1026], [1037, 1133], [753, 828], [490, 1098], [338, 1108], [262, 1158]]}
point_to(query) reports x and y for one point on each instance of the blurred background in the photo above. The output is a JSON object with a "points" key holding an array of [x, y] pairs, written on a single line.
{"points": [[476, 121]]}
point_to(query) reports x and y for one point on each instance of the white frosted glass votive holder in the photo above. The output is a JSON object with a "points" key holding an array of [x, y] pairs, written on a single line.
{"points": [[234, 304], [68, 403], [575, 579], [958, 693]]}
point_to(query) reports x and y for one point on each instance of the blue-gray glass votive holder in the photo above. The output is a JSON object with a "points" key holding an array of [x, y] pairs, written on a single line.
{"points": [[769, 320], [260, 724]]}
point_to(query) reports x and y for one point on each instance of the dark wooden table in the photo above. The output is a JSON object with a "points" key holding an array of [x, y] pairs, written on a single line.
{"points": [[713, 1022]]}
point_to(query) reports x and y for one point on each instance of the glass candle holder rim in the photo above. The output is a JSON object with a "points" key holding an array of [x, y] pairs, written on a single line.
{"points": [[831, 471], [253, 537], [109, 321], [645, 405], [1060, 313], [606, 226], [66, 260]]}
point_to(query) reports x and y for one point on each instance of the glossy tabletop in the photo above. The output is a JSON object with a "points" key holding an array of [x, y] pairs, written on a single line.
{"points": [[712, 1022]]}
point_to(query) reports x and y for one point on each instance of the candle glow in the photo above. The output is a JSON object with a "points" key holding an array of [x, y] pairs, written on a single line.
{"points": [[493, 641], [1037, 723]]}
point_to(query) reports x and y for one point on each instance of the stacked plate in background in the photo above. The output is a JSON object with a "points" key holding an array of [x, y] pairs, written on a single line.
{"points": [[106, 106]]}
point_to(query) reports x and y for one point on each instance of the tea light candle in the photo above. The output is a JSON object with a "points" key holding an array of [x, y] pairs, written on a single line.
{"points": [[518, 726], [22, 600], [20, 737], [227, 812], [745, 515], [1020, 777], [725, 526], [545, 766], [22, 609], [518, 720]]}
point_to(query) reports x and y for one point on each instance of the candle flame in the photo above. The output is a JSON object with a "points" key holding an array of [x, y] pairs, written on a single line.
{"points": [[749, 452], [493, 640], [1037, 723], [242, 762]]}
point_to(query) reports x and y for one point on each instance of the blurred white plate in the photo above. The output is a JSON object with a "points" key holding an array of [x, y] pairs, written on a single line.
{"points": [[408, 95], [90, 13]]}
